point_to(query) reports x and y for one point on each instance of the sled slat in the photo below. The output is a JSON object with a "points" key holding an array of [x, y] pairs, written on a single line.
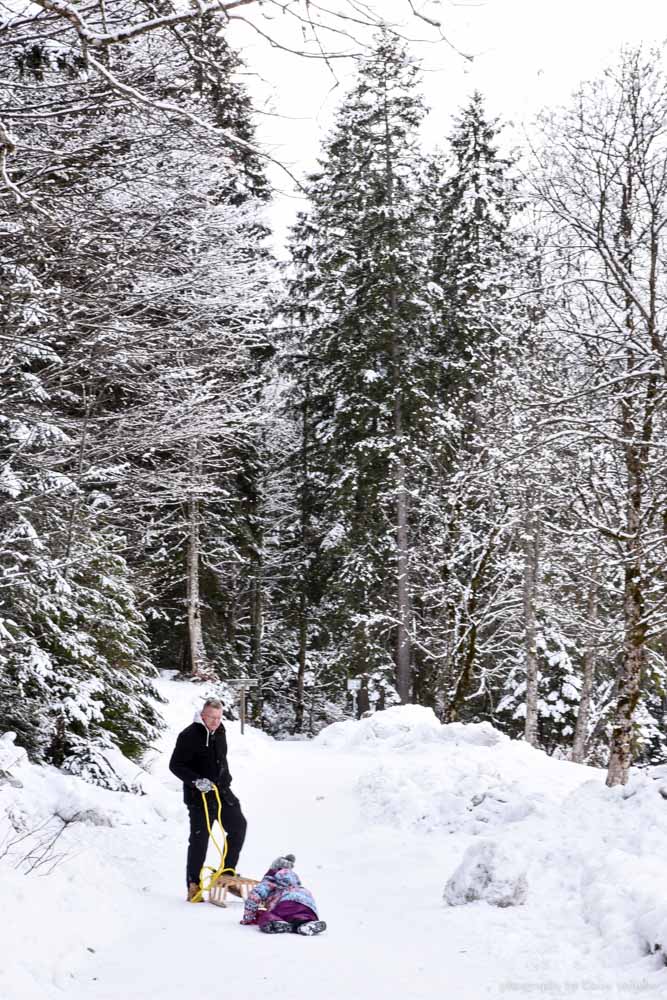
{"points": [[218, 891]]}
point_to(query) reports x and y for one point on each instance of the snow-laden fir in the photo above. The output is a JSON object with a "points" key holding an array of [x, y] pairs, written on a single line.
{"points": [[414, 837]]}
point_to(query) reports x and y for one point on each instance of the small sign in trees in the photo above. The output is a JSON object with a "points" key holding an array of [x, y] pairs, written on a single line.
{"points": [[242, 684], [354, 686]]}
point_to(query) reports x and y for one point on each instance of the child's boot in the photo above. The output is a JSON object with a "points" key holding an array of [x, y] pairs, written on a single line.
{"points": [[311, 927], [276, 927]]}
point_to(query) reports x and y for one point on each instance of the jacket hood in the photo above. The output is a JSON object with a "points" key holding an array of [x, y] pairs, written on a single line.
{"points": [[286, 878], [197, 718]]}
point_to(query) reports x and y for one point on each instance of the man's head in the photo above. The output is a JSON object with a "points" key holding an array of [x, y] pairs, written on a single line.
{"points": [[211, 714]]}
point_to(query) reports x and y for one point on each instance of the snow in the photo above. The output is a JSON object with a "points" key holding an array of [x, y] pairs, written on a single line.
{"points": [[385, 816]]}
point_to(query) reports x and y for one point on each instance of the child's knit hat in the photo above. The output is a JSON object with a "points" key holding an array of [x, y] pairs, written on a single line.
{"points": [[284, 861]]}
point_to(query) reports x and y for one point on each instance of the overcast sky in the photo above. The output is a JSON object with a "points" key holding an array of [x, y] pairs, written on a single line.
{"points": [[528, 54]]}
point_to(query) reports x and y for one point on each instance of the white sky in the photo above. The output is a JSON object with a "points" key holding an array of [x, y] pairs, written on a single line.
{"points": [[528, 54]]}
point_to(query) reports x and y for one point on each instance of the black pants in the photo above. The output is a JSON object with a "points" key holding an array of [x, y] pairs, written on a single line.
{"points": [[233, 822]]}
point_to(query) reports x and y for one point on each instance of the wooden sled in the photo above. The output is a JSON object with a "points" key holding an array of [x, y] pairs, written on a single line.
{"points": [[218, 891]]}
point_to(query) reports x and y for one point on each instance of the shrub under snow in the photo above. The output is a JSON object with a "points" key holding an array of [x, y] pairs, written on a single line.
{"points": [[487, 872]]}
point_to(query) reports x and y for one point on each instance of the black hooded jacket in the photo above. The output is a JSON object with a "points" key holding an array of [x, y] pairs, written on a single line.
{"points": [[200, 754]]}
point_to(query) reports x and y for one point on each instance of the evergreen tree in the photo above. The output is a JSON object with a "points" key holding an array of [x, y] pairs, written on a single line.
{"points": [[360, 302], [473, 201], [74, 669], [466, 529]]}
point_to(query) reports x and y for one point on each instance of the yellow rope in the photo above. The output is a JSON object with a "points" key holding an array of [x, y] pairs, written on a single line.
{"points": [[206, 882]]}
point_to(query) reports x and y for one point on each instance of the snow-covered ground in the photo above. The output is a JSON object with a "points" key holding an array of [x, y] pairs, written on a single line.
{"points": [[554, 885]]}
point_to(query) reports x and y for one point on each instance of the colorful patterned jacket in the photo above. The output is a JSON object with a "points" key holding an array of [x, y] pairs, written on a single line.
{"points": [[276, 886]]}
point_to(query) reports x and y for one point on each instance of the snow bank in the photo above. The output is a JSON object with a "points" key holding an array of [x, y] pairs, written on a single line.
{"points": [[71, 857], [108, 767], [454, 795], [456, 777], [553, 833], [601, 852], [405, 727], [487, 872], [619, 838]]}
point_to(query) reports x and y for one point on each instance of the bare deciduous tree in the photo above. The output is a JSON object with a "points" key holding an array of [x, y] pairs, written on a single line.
{"points": [[96, 41], [604, 181]]}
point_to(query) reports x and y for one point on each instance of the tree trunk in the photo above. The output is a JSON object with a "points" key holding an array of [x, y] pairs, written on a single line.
{"points": [[620, 757], [195, 635], [256, 618], [301, 662], [89, 403], [637, 426], [467, 668], [255, 556], [303, 593], [590, 661], [530, 583], [193, 601], [403, 644]]}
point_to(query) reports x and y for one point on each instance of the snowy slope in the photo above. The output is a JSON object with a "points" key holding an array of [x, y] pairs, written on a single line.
{"points": [[380, 814]]}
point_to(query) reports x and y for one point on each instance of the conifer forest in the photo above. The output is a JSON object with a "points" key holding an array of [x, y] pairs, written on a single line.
{"points": [[426, 451]]}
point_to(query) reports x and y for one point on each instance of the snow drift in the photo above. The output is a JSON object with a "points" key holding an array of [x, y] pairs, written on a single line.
{"points": [[552, 831]]}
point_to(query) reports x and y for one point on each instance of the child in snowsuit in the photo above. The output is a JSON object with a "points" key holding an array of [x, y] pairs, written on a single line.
{"points": [[289, 906]]}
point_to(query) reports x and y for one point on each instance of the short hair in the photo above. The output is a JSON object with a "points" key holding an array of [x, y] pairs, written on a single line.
{"points": [[212, 703]]}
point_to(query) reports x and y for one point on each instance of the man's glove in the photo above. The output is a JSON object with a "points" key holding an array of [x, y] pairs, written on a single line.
{"points": [[203, 785]]}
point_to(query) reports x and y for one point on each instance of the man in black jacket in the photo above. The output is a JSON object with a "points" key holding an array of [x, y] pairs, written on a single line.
{"points": [[200, 761]]}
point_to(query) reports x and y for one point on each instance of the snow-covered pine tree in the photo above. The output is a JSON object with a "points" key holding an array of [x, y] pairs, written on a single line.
{"points": [[308, 691], [466, 565], [74, 670], [361, 301], [473, 198]]}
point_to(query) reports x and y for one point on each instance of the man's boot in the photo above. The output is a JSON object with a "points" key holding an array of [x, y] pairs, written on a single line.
{"points": [[194, 892]]}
